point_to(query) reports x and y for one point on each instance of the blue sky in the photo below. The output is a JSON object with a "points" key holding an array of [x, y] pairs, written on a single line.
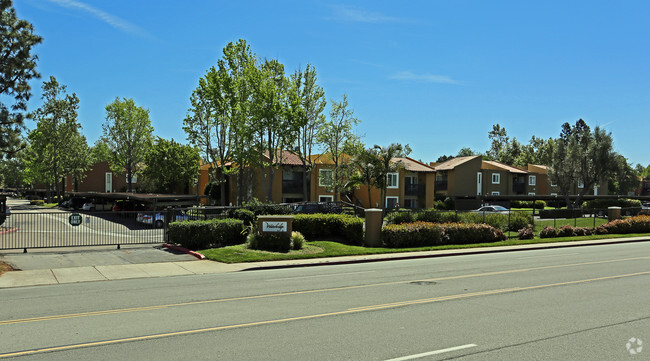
{"points": [[434, 74]]}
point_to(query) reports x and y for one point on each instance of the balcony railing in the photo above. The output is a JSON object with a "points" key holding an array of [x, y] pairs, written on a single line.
{"points": [[415, 189], [441, 185]]}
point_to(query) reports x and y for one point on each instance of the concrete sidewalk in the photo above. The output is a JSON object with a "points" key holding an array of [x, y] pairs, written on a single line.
{"points": [[163, 269]]}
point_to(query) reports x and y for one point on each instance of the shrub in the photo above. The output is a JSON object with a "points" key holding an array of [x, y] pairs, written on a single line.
{"points": [[417, 234], [528, 204], [638, 224], [449, 203], [37, 202], [196, 235], [297, 240], [258, 208], [244, 214], [512, 222], [424, 234], [440, 205], [345, 228], [565, 231], [433, 215], [398, 217], [548, 232], [604, 203], [519, 220], [275, 242], [526, 232], [560, 213]]}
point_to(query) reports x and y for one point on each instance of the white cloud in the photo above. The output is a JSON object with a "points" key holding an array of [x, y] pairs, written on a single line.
{"points": [[109, 19], [425, 78], [354, 14]]}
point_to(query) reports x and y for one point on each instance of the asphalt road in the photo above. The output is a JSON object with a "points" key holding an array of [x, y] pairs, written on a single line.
{"points": [[582, 303]]}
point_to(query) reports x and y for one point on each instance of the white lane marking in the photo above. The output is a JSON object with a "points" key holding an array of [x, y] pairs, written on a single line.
{"points": [[551, 255], [437, 352], [327, 275]]}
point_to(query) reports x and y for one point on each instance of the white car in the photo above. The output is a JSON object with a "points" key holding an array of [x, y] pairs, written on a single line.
{"points": [[96, 206], [158, 219], [492, 209]]}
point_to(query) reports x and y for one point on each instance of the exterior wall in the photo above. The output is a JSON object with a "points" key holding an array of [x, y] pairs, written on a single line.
{"points": [[462, 180], [95, 180], [504, 187], [430, 180], [316, 190]]}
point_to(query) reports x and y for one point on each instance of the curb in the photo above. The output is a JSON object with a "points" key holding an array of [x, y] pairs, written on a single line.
{"points": [[471, 251], [184, 250]]}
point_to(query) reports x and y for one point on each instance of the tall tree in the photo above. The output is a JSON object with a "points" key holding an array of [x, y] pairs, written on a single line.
{"points": [[581, 155], [367, 163], [340, 144], [387, 164], [17, 67], [218, 121], [171, 166], [100, 151], [129, 133], [274, 128], [625, 179], [57, 146], [307, 105]]}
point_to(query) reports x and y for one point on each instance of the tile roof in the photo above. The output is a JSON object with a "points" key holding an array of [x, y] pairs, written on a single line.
{"points": [[455, 162], [286, 158], [413, 165], [509, 168]]}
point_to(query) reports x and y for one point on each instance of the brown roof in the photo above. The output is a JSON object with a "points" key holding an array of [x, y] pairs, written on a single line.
{"points": [[413, 165], [509, 168], [286, 158], [455, 162]]}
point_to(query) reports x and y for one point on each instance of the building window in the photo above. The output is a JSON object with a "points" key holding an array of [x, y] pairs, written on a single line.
{"points": [[326, 198], [392, 202], [553, 184], [325, 177], [411, 203], [496, 193], [392, 180], [134, 179], [496, 178], [581, 184], [532, 180]]}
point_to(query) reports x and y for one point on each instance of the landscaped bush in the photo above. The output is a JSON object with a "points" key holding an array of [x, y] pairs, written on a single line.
{"points": [[401, 216], [638, 224], [433, 215], [560, 213], [605, 203], [258, 208], [548, 232], [526, 232], [344, 228], [241, 213], [297, 240], [417, 234], [274, 242], [37, 202], [528, 204], [424, 234], [196, 235], [566, 231], [512, 222]]}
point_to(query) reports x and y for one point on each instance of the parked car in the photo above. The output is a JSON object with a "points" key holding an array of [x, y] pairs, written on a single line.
{"points": [[316, 207], [157, 219], [126, 207], [645, 205], [492, 209], [96, 206]]}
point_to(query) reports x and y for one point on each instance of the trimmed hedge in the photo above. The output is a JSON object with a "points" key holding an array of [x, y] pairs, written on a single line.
{"points": [[566, 231], [425, 234], [513, 222], [196, 235], [346, 228], [604, 203], [560, 213], [528, 204], [638, 224], [245, 215], [275, 242]]}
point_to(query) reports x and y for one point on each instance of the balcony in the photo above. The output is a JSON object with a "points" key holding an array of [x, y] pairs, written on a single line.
{"points": [[519, 188], [415, 190], [441, 185], [292, 186]]}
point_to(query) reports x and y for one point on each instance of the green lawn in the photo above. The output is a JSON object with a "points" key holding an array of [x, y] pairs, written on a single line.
{"points": [[320, 249]]}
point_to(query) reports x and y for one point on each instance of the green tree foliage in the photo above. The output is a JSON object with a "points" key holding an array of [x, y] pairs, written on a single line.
{"points": [[466, 152], [101, 151], [128, 132], [171, 167], [57, 147], [17, 67], [307, 101], [625, 179], [386, 164], [217, 122], [512, 152], [341, 145], [581, 155], [366, 161]]}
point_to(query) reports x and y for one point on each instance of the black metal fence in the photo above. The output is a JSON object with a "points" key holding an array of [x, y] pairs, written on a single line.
{"points": [[56, 228]]}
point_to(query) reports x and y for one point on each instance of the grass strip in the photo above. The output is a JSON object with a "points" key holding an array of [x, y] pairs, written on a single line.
{"points": [[321, 249]]}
